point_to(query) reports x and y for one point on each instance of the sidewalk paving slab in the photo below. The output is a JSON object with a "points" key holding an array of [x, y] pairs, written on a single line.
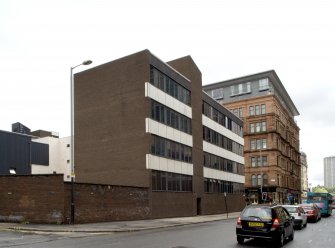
{"points": [[118, 226]]}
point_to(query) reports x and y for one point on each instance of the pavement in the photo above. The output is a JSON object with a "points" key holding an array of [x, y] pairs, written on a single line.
{"points": [[118, 226]]}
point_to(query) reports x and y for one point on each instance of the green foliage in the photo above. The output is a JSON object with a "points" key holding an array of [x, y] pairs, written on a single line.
{"points": [[320, 189], [323, 189], [331, 190]]}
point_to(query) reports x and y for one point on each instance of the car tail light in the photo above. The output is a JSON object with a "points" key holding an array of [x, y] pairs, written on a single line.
{"points": [[275, 223], [239, 222]]}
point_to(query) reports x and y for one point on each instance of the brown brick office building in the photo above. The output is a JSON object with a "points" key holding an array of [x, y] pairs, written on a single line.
{"points": [[141, 122], [272, 157]]}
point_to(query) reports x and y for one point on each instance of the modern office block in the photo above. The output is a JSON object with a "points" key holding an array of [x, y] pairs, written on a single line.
{"points": [[329, 171], [141, 122]]}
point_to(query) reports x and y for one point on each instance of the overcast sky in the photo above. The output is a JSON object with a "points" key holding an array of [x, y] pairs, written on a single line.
{"points": [[41, 40]]}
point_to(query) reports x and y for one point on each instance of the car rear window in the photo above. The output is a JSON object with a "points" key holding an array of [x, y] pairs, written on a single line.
{"points": [[291, 209], [262, 213]]}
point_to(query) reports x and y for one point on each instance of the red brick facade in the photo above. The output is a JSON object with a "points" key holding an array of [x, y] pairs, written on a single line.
{"points": [[282, 148]]}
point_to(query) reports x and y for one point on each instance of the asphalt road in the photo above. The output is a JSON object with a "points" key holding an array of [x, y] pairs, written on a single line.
{"points": [[207, 235]]}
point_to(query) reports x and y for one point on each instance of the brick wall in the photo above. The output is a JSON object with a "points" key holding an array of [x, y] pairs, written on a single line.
{"points": [[47, 199], [36, 199], [103, 203], [172, 204], [216, 203]]}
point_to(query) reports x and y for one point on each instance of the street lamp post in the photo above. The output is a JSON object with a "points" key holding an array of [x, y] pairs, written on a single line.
{"points": [[86, 62], [225, 200], [261, 164]]}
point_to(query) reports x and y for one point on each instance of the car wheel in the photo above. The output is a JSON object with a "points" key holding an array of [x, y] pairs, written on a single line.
{"points": [[240, 240], [280, 240]]}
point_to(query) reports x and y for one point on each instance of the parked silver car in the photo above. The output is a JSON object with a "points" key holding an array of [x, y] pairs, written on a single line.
{"points": [[299, 214]]}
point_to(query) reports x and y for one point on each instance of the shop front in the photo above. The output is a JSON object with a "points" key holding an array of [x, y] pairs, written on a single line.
{"points": [[272, 195]]}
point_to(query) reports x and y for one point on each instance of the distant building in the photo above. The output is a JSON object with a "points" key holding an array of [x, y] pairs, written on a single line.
{"points": [[40, 152], [43, 133], [304, 175], [20, 128], [19, 153], [272, 157], [141, 122], [59, 156], [329, 171]]}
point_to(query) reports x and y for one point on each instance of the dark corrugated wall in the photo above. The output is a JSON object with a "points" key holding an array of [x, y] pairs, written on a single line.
{"points": [[39, 153], [14, 153], [19, 152]]}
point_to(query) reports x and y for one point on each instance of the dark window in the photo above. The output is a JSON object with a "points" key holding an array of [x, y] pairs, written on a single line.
{"points": [[39, 153], [170, 149], [170, 117], [223, 164], [167, 181], [221, 186], [220, 118], [169, 86], [217, 139]]}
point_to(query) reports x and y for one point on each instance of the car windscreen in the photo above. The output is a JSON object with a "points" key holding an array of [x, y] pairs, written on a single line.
{"points": [[258, 212], [317, 198]]}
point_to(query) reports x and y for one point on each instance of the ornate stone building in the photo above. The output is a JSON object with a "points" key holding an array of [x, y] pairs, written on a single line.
{"points": [[271, 152]]}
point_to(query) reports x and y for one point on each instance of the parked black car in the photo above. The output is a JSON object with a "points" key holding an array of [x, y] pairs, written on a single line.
{"points": [[269, 222]]}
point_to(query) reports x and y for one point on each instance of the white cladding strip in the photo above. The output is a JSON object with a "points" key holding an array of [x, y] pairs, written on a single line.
{"points": [[223, 175], [157, 128], [222, 130], [167, 100], [163, 164], [218, 151]]}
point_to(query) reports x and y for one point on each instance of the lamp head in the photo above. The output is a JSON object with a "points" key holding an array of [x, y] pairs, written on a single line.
{"points": [[87, 62]]}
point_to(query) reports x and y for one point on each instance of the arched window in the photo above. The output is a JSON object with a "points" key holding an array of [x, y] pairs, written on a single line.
{"points": [[253, 180], [259, 180], [265, 179]]}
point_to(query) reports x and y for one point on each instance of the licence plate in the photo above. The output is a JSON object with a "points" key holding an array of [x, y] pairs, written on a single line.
{"points": [[256, 224]]}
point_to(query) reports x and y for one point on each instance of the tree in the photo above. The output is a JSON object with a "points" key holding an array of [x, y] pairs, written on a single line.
{"points": [[331, 190], [320, 189]]}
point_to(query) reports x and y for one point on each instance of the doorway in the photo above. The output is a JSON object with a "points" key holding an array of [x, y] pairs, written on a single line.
{"points": [[198, 206]]}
